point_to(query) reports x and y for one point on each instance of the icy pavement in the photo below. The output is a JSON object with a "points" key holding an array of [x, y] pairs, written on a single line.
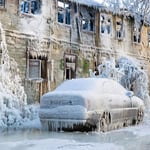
{"points": [[135, 137]]}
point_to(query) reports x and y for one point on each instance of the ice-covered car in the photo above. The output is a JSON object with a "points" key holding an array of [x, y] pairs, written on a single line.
{"points": [[87, 104]]}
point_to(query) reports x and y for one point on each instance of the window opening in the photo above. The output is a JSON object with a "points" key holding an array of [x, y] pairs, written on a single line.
{"points": [[2, 3], [88, 19], [149, 38], [70, 66], [119, 29], [64, 12], [38, 68], [30, 6], [137, 35], [105, 25]]}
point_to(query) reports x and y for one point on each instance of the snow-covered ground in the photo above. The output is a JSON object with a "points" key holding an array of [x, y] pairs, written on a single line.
{"points": [[137, 137]]}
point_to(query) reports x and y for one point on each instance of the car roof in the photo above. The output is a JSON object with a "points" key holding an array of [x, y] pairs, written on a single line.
{"points": [[91, 84]]}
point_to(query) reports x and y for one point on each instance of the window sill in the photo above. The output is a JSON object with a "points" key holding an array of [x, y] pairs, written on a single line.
{"points": [[35, 79], [30, 15], [120, 38], [105, 35], [65, 25], [137, 43], [89, 32], [2, 8]]}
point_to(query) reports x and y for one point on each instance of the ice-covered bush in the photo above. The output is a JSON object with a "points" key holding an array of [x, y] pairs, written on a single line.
{"points": [[128, 73], [14, 111]]}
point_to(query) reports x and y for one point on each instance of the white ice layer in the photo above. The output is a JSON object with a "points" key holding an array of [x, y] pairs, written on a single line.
{"points": [[13, 109], [128, 73]]}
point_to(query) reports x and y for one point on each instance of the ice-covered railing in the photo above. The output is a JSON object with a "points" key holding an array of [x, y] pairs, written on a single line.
{"points": [[128, 73], [13, 108]]}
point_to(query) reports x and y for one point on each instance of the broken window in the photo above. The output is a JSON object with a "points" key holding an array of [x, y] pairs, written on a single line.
{"points": [[37, 68], [70, 66], [88, 19], [137, 35], [30, 6], [2, 3], [64, 12], [105, 25], [119, 29]]}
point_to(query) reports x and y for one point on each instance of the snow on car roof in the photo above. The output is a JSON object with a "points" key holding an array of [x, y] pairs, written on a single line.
{"points": [[91, 84]]}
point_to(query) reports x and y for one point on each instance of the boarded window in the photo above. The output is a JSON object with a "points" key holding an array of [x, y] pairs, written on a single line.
{"points": [[105, 24], [64, 12], [37, 68], [2, 3], [34, 69], [30, 6], [70, 66]]}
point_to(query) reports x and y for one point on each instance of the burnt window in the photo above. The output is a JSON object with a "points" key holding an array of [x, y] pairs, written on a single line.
{"points": [[2, 3], [64, 12], [137, 35], [37, 68], [88, 19], [105, 24], [70, 62], [30, 6], [119, 29]]}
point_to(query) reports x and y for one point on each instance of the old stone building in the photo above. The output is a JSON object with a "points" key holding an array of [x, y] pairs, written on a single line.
{"points": [[55, 40]]}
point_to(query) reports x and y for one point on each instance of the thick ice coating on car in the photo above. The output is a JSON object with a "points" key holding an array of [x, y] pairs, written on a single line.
{"points": [[92, 84], [90, 103]]}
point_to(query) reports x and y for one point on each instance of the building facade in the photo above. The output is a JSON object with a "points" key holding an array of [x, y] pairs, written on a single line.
{"points": [[56, 40]]}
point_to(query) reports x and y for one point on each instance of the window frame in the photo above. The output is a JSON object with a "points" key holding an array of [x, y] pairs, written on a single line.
{"points": [[34, 62], [136, 35], [3, 4], [70, 66], [38, 65], [119, 29], [105, 27], [29, 8], [63, 9], [148, 36]]}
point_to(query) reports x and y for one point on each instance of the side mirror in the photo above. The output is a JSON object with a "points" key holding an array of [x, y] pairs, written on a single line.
{"points": [[130, 94]]}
